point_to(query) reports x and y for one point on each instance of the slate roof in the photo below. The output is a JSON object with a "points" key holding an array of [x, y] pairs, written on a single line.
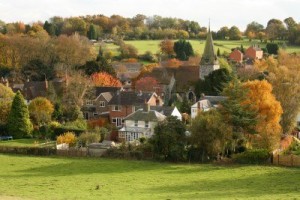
{"points": [[215, 100], [100, 90], [141, 115], [130, 98], [33, 89], [165, 110]]}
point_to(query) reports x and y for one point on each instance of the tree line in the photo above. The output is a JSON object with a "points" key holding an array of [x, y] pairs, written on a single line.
{"points": [[153, 27]]}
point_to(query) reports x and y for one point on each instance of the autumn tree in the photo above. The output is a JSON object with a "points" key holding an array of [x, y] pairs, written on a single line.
{"points": [[6, 98], [18, 123], [284, 77], [167, 47], [275, 29], [105, 79], [269, 110], [40, 110], [234, 33], [147, 84]]}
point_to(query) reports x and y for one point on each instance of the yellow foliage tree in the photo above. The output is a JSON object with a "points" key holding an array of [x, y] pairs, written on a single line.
{"points": [[269, 112], [40, 110], [6, 98], [68, 138]]}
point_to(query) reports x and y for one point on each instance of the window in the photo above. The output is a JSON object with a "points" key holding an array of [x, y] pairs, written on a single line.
{"points": [[95, 114], [114, 120], [117, 121], [116, 108], [146, 124], [136, 123], [102, 103]]}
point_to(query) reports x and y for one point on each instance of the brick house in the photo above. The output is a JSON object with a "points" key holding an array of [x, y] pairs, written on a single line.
{"points": [[254, 52], [97, 105], [236, 55], [124, 103]]}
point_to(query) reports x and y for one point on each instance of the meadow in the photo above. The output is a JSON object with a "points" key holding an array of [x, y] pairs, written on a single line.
{"points": [[25, 177], [198, 46]]}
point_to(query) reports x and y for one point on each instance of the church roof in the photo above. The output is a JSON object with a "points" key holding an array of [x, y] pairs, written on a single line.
{"points": [[208, 56]]}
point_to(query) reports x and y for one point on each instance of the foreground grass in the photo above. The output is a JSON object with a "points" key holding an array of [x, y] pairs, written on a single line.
{"points": [[27, 143], [23, 177]]}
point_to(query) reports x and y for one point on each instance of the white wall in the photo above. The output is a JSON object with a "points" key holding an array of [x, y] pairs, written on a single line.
{"points": [[177, 114]]}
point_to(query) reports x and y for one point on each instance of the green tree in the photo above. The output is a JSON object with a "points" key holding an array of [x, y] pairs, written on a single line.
{"points": [[235, 33], [183, 49], [50, 28], [272, 48], [92, 33], [19, 124], [6, 98], [238, 114], [169, 139], [210, 133]]}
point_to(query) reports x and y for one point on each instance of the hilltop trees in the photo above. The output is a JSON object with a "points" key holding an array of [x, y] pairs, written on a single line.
{"points": [[19, 124]]}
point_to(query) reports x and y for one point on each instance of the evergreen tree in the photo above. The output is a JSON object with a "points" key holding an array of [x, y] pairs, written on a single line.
{"points": [[50, 28], [183, 49], [242, 49], [92, 34], [218, 52], [19, 124]]}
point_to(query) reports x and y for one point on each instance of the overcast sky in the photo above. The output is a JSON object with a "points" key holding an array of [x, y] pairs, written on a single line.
{"points": [[221, 12]]}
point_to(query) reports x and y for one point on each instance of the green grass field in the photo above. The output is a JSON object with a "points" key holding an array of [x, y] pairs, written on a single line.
{"points": [[24, 177], [28, 143], [198, 45]]}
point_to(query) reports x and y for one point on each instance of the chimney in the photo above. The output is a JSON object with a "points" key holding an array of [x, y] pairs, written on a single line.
{"points": [[146, 107], [46, 83]]}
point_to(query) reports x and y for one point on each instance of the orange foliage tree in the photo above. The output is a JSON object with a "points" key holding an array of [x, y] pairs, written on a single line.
{"points": [[105, 79], [147, 84], [167, 47], [269, 112]]}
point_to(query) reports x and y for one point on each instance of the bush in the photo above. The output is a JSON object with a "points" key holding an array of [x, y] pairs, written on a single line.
{"points": [[87, 138], [60, 130], [254, 156], [68, 138]]}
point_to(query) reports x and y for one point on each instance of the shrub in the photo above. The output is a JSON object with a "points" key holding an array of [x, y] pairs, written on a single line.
{"points": [[254, 156], [88, 138], [68, 138]]}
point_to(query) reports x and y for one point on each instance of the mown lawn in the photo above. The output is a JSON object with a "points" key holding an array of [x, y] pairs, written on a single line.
{"points": [[27, 143], [23, 177]]}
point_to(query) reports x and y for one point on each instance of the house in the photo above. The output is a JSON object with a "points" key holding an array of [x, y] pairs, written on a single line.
{"points": [[236, 56], [96, 105], [200, 106], [140, 123], [254, 52], [205, 104], [33, 89], [168, 111], [126, 102]]}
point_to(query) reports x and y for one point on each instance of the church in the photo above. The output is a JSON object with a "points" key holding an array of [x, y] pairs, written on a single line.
{"points": [[209, 61]]}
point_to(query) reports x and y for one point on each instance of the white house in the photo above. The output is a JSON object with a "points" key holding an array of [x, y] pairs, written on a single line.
{"points": [[140, 124], [200, 106]]}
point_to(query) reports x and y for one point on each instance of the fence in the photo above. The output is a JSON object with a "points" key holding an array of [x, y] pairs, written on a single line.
{"points": [[82, 152], [286, 160]]}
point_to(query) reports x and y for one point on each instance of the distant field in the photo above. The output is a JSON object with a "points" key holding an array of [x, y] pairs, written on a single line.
{"points": [[24, 177], [198, 45]]}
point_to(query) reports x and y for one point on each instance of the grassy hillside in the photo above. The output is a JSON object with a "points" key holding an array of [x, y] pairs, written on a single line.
{"points": [[198, 45], [25, 177]]}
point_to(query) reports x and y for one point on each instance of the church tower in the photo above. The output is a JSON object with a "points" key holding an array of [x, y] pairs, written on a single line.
{"points": [[209, 61]]}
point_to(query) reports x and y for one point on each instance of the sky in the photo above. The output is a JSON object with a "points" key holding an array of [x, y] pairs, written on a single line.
{"points": [[220, 12]]}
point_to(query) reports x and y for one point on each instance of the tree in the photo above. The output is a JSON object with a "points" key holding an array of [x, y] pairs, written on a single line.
{"points": [[169, 139], [223, 33], [254, 28], [272, 48], [50, 28], [36, 70], [234, 33], [128, 51], [19, 124], [210, 133], [6, 98], [269, 113], [40, 110], [284, 77], [183, 49], [213, 83], [105, 79], [275, 29], [147, 84], [167, 47], [237, 112]]}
